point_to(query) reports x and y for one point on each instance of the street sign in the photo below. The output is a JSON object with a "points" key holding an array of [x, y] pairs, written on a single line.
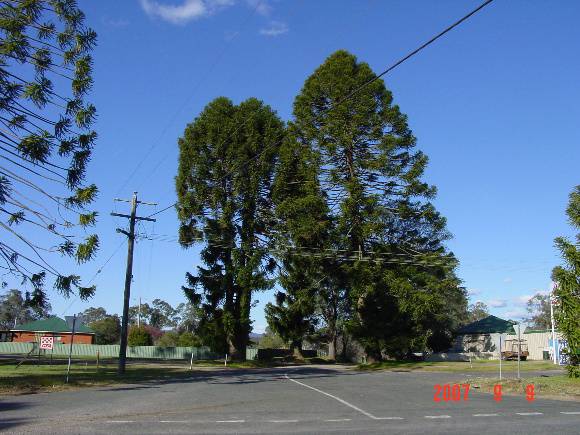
{"points": [[46, 343], [73, 320], [519, 329]]}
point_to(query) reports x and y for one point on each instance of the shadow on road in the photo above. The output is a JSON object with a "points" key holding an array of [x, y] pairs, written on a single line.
{"points": [[8, 423]]}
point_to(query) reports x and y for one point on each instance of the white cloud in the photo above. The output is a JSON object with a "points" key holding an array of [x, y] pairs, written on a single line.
{"points": [[262, 7], [473, 292], [517, 313], [497, 303], [186, 11], [523, 299], [276, 28]]}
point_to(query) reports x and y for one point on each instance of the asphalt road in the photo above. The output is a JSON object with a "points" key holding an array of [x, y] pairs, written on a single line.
{"points": [[313, 399]]}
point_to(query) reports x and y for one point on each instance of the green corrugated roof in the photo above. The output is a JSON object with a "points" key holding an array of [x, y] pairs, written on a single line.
{"points": [[488, 325], [52, 324]]}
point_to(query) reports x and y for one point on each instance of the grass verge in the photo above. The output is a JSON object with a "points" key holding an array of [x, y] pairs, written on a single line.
{"points": [[31, 378], [545, 387]]}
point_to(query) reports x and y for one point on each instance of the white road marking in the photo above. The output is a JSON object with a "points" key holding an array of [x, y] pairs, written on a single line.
{"points": [[344, 402], [121, 421], [529, 413], [437, 416], [486, 415], [230, 421], [390, 418], [338, 419], [570, 412], [282, 421]]}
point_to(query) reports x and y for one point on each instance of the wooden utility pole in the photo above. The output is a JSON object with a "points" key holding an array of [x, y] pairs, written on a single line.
{"points": [[129, 273]]}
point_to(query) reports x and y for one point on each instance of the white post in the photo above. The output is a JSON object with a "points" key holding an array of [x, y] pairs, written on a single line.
{"points": [[226, 360], [553, 332], [191, 361], [500, 357], [519, 347]]}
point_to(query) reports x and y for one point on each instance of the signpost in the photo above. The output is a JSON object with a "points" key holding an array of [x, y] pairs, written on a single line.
{"points": [[519, 329], [71, 321], [500, 357], [46, 342]]}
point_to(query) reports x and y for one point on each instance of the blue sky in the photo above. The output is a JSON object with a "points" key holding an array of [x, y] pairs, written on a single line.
{"points": [[494, 104]]}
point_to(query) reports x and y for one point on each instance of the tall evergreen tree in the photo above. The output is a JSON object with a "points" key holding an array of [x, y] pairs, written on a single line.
{"points": [[372, 173], [302, 225], [226, 163], [567, 278]]}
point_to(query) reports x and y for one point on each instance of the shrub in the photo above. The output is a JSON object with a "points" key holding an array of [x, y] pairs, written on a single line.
{"points": [[188, 339], [139, 336], [168, 339]]}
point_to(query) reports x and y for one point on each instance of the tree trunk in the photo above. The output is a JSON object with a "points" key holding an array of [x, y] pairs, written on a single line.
{"points": [[296, 349], [332, 347], [373, 355], [344, 350]]}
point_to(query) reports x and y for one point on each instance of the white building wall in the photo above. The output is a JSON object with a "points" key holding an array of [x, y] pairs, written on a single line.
{"points": [[537, 342]]}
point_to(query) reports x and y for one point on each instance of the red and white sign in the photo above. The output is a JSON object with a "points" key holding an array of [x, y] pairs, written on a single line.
{"points": [[46, 343]]}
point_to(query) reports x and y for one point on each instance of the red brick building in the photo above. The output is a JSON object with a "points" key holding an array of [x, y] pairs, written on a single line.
{"points": [[53, 326]]}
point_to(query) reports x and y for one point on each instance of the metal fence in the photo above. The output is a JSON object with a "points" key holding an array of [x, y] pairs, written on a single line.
{"points": [[111, 351]]}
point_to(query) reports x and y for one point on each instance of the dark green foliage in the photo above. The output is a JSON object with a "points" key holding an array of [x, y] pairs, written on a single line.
{"points": [[175, 339], [302, 225], [567, 279], [272, 340], [93, 314], [382, 217], [477, 311], [107, 329], [226, 164], [188, 339], [45, 141], [188, 317], [139, 336], [538, 307], [16, 308], [162, 315], [168, 339]]}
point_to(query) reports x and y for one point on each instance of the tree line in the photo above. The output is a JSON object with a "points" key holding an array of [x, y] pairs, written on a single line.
{"points": [[158, 323]]}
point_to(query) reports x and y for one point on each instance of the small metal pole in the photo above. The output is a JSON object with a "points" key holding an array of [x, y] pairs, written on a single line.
{"points": [[72, 339], [98, 355], [553, 328], [191, 361]]}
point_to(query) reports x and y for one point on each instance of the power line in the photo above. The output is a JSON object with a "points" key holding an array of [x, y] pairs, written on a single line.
{"points": [[358, 89], [95, 275], [335, 254], [208, 71], [417, 50]]}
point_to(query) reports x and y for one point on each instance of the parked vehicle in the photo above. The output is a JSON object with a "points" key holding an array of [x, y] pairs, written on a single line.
{"points": [[510, 351]]}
